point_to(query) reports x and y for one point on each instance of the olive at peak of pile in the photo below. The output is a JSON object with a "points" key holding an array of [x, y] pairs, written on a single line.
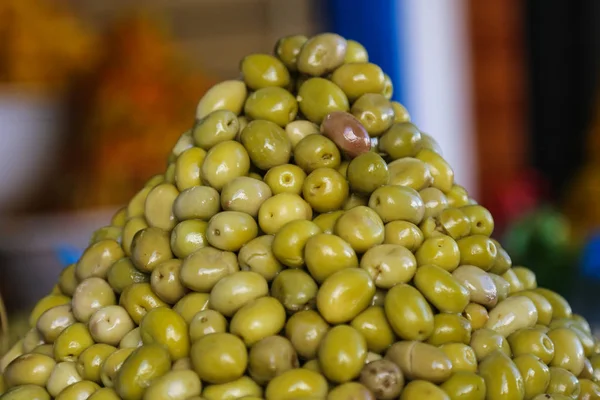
{"points": [[306, 241]]}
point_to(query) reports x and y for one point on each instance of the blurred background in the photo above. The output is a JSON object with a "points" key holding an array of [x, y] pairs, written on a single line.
{"points": [[93, 95]]}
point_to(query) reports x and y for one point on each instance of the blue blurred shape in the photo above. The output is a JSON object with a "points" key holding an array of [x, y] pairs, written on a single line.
{"points": [[590, 258], [68, 255], [375, 24]]}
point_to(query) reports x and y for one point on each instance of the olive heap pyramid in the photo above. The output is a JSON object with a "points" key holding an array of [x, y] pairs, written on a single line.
{"points": [[306, 241]]}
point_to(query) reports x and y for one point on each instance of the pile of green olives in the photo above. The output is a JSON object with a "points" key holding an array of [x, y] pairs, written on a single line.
{"points": [[306, 241]]}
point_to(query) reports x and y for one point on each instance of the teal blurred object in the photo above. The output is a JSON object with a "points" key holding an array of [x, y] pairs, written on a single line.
{"points": [[540, 240]]}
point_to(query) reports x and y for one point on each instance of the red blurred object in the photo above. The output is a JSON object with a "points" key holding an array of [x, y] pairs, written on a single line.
{"points": [[516, 197]]}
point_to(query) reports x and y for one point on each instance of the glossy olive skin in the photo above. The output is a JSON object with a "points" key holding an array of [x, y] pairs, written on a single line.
{"points": [[297, 384], [29, 369], [419, 360], [270, 357], [26, 392], [563, 382], [72, 342], [175, 385], [568, 350], [532, 341], [408, 312], [422, 389], [139, 369], [536, 374], [243, 387], [219, 358], [344, 294], [164, 326], [502, 378], [465, 386], [306, 329], [442, 290]]}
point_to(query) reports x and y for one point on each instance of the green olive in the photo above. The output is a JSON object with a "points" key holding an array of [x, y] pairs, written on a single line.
{"points": [[244, 194], [441, 251], [206, 322], [502, 287], [138, 299], [97, 259], [482, 222], [191, 304], [219, 357], [123, 273], [316, 151], [242, 388], [325, 190], [158, 207], [257, 319], [288, 48], [90, 361], [568, 350], [63, 374], [388, 89], [367, 172], [450, 328], [198, 202], [305, 329], [289, 242], [502, 378], [174, 385], [389, 264], [401, 140], [403, 233], [374, 327], [400, 113], [272, 104], [264, 70], [104, 394], [72, 342], [375, 112], [480, 285], [187, 166], [150, 247], [55, 320], [321, 54], [342, 353], [91, 295], [410, 172], [420, 361], [29, 369], [32, 339], [13, 352], [67, 280], [477, 315], [318, 97], [486, 341], [227, 95], [166, 327], [560, 306], [344, 294], [165, 281], [325, 254], [26, 392], [536, 375], [297, 383], [465, 386], [408, 312], [361, 227], [144, 365], [280, 209], [441, 289], [132, 339], [462, 356], [233, 291], [110, 324], [503, 261], [44, 304], [131, 228], [258, 256], [532, 341], [202, 269], [295, 289], [270, 357], [356, 79], [588, 390], [112, 364], [420, 389], [78, 390], [267, 144], [224, 162], [397, 203], [512, 314], [287, 178], [355, 52], [563, 382], [434, 200]]}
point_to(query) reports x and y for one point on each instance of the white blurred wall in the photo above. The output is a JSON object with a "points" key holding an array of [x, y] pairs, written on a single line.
{"points": [[434, 38]]}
